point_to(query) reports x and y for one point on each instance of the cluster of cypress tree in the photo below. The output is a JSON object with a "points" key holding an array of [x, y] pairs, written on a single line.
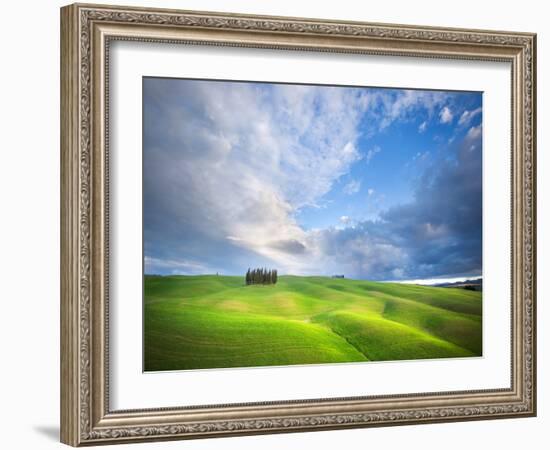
{"points": [[261, 276]]}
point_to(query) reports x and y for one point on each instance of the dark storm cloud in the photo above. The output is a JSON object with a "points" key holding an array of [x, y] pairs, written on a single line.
{"points": [[437, 234], [443, 228]]}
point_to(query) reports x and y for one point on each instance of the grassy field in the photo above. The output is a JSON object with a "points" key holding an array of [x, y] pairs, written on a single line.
{"points": [[197, 322]]}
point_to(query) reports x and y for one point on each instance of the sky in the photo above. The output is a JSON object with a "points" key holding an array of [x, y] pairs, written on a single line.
{"points": [[372, 183]]}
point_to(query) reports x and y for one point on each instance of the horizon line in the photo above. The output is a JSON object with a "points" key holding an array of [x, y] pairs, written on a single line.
{"points": [[419, 281]]}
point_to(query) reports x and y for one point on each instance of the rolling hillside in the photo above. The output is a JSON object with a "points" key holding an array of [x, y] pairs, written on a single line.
{"points": [[197, 322]]}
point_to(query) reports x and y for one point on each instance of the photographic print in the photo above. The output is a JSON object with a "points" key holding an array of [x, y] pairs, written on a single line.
{"points": [[288, 224]]}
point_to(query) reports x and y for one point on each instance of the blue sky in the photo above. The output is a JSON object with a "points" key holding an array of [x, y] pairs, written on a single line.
{"points": [[373, 183]]}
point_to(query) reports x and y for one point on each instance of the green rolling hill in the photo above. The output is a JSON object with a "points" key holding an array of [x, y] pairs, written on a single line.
{"points": [[208, 321]]}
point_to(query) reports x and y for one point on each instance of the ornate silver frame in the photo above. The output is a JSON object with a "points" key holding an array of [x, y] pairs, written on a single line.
{"points": [[86, 32]]}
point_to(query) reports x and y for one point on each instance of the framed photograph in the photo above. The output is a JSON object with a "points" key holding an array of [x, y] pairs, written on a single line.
{"points": [[277, 224]]}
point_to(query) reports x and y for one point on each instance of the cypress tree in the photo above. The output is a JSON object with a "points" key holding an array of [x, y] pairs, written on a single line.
{"points": [[261, 276]]}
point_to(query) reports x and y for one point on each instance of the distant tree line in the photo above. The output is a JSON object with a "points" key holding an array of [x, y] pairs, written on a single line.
{"points": [[261, 276]]}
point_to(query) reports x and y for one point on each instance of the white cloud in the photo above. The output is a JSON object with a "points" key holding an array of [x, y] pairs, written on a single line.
{"points": [[370, 191], [391, 107], [345, 220], [372, 152], [281, 148], [467, 116], [371, 254], [353, 187], [445, 115], [432, 281], [176, 266], [474, 133], [422, 127], [421, 156]]}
